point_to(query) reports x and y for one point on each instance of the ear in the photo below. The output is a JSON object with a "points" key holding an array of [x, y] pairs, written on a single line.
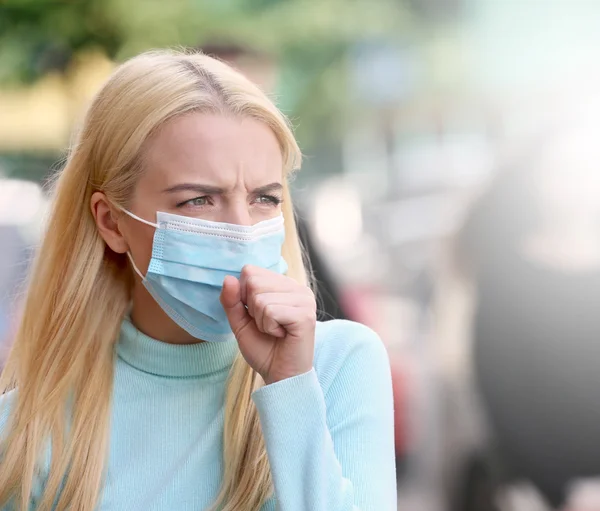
{"points": [[106, 220]]}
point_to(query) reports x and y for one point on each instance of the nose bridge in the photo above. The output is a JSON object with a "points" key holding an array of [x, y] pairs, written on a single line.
{"points": [[238, 211]]}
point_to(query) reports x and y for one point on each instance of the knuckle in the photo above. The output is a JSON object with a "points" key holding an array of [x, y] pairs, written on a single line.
{"points": [[246, 272], [259, 302], [251, 284], [310, 317], [267, 309]]}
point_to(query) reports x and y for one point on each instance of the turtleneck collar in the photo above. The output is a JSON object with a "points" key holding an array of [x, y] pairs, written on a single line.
{"points": [[174, 360]]}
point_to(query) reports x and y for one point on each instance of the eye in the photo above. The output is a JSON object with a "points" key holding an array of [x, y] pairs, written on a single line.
{"points": [[199, 201], [196, 202], [269, 200]]}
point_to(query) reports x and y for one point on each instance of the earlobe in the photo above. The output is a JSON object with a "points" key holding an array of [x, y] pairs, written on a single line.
{"points": [[106, 223]]}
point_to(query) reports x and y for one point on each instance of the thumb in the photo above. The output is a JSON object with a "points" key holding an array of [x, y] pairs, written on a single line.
{"points": [[231, 300]]}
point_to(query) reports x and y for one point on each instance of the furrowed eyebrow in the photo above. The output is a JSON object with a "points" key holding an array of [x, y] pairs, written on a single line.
{"points": [[197, 188], [273, 187], [215, 190]]}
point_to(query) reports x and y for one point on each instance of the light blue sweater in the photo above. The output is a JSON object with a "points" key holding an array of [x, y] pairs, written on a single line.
{"points": [[328, 433]]}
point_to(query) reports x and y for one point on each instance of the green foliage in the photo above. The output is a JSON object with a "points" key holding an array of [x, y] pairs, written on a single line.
{"points": [[37, 36], [309, 37]]}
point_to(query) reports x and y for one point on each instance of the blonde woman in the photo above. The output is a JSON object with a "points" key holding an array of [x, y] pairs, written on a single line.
{"points": [[169, 357]]}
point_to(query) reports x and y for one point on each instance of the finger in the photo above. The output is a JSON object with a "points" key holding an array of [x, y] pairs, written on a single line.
{"points": [[240, 321], [295, 320], [257, 303], [254, 280], [258, 280], [271, 327]]}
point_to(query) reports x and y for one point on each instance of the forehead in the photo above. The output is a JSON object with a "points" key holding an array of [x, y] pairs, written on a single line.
{"points": [[213, 149]]}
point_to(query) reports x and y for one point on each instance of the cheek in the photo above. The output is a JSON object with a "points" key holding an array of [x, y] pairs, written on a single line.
{"points": [[259, 214]]}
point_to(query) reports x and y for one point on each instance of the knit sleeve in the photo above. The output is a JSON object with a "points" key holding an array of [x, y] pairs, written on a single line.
{"points": [[333, 450]]}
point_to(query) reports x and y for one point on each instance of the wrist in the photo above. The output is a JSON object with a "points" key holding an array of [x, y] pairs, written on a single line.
{"points": [[275, 378]]}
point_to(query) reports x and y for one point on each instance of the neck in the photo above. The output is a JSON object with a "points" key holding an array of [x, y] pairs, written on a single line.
{"points": [[149, 318]]}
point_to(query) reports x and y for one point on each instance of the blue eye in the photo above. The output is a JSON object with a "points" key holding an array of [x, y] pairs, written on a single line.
{"points": [[199, 201], [196, 202], [268, 200]]}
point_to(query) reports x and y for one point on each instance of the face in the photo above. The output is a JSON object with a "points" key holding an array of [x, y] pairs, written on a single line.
{"points": [[207, 166], [212, 167]]}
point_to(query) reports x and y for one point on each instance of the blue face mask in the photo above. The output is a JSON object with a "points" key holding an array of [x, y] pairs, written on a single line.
{"points": [[190, 260]]}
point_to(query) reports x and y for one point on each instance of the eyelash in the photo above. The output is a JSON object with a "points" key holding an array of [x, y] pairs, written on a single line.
{"points": [[270, 199], [189, 201]]}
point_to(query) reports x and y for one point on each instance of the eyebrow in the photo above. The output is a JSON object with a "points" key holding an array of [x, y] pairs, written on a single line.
{"points": [[215, 190], [273, 187]]}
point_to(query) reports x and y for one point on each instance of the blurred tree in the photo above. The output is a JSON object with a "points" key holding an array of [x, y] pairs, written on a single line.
{"points": [[308, 37], [39, 36]]}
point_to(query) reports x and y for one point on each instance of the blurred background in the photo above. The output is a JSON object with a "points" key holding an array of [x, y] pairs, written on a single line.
{"points": [[449, 198]]}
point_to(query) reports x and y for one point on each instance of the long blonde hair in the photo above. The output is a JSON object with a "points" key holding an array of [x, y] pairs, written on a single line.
{"points": [[62, 361]]}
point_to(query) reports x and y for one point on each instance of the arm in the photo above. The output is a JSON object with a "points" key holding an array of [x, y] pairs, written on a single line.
{"points": [[333, 451]]}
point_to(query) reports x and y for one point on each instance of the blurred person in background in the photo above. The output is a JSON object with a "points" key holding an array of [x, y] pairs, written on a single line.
{"points": [[169, 355], [531, 247]]}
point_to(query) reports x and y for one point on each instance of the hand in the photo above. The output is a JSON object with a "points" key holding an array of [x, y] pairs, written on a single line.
{"points": [[273, 319]]}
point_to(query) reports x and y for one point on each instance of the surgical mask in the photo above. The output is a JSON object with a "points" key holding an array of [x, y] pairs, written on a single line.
{"points": [[190, 260]]}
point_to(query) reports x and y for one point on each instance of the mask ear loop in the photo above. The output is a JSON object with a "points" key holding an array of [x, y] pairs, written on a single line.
{"points": [[151, 224], [135, 268], [135, 217]]}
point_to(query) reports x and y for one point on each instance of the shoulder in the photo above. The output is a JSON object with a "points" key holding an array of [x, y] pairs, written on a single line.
{"points": [[345, 335], [347, 347]]}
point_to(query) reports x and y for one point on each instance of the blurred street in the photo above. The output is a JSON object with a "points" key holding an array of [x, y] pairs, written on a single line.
{"points": [[449, 199]]}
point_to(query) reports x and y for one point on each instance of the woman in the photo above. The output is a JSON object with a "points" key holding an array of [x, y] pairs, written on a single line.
{"points": [[169, 356]]}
